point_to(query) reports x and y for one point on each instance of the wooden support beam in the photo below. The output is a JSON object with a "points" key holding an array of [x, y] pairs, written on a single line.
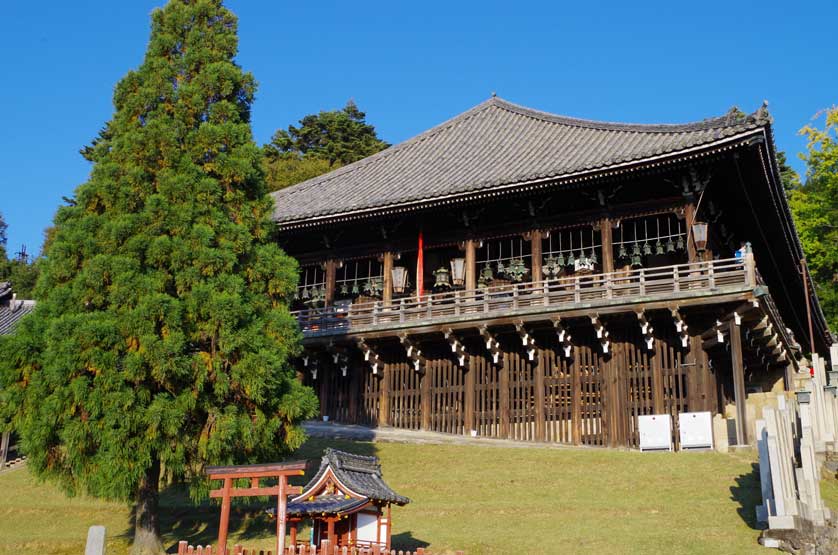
{"points": [[504, 397], [492, 343], [605, 233], [425, 396], [601, 333], [414, 352], [646, 329], [255, 491], [527, 340], [224, 524], [387, 293], [657, 379], [457, 347], [535, 249], [471, 264], [469, 396], [340, 358], [331, 278], [576, 399], [689, 220], [681, 327], [370, 355], [563, 334], [738, 382], [540, 412], [384, 397]]}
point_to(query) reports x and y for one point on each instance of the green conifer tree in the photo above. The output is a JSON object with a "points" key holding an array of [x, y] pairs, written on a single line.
{"points": [[161, 338]]}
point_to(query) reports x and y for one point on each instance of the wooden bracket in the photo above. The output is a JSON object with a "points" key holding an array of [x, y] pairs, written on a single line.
{"points": [[340, 358], [311, 362], [414, 353], [527, 340], [370, 355], [457, 346], [646, 329], [492, 344], [681, 327], [564, 337], [601, 333]]}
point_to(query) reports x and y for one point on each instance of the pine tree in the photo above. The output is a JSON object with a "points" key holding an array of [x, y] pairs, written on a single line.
{"points": [[161, 338]]}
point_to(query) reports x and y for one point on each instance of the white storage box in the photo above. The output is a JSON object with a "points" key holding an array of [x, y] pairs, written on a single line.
{"points": [[655, 432], [695, 430]]}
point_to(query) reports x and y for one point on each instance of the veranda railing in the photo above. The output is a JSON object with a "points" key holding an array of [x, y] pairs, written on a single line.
{"points": [[619, 287]]}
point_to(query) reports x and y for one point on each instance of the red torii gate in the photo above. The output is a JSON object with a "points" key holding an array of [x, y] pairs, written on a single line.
{"points": [[254, 472]]}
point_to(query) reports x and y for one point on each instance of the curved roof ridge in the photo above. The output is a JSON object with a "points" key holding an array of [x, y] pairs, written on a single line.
{"points": [[727, 119], [387, 152]]}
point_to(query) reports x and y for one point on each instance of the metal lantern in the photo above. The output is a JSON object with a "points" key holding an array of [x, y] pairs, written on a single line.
{"points": [[679, 244], [635, 251], [670, 246], [647, 248], [560, 261], [551, 266], [458, 271], [583, 259], [355, 289], [593, 258], [305, 294], [635, 260], [700, 235], [399, 274], [486, 275], [571, 260], [659, 247], [501, 268], [443, 278], [517, 269], [344, 288], [622, 253]]}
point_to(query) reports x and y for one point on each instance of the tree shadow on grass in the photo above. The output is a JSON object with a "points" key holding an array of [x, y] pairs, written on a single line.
{"points": [[182, 519], [748, 493], [406, 541]]}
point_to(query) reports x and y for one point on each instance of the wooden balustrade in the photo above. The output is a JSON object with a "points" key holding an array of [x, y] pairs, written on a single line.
{"points": [[619, 287], [184, 548]]}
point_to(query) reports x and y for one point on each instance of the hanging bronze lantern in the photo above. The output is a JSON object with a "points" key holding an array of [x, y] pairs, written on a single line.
{"points": [[670, 246], [622, 253], [571, 260], [458, 271], [399, 274], [647, 248], [593, 258], [659, 247], [486, 275], [501, 268], [635, 259], [443, 278], [355, 289], [344, 288], [700, 235]]}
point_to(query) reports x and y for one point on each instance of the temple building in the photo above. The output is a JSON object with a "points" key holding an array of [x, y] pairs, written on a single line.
{"points": [[517, 274], [347, 501]]}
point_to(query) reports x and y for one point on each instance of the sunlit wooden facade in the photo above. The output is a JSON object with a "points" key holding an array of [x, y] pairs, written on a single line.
{"points": [[516, 274]]}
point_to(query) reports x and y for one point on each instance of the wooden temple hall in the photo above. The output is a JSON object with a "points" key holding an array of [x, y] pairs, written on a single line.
{"points": [[516, 274]]}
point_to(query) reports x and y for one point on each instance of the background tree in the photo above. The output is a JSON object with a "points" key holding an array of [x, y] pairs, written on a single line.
{"points": [[815, 208], [322, 142], [20, 269], [160, 341]]}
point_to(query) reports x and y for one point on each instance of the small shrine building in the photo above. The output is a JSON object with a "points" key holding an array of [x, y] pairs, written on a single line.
{"points": [[347, 501]]}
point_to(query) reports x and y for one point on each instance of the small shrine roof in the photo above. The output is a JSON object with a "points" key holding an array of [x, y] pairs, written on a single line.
{"points": [[359, 473], [330, 504]]}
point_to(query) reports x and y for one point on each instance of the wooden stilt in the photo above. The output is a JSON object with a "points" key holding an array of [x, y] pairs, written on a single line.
{"points": [[225, 516], [738, 383]]}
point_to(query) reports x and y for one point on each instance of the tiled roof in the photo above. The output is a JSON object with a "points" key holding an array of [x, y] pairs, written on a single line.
{"points": [[11, 312], [361, 474], [331, 504], [494, 145]]}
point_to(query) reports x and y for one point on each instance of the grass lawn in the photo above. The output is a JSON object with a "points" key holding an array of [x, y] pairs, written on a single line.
{"points": [[478, 499]]}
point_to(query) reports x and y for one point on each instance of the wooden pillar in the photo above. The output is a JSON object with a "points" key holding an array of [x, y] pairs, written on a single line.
{"points": [[330, 531], [388, 279], [384, 396], [607, 245], [331, 278], [355, 392], [294, 526], [739, 395], [540, 418], [468, 401], [324, 390], [656, 357], [576, 399], [281, 510], [504, 396], [389, 526], [535, 249], [471, 265], [224, 525], [425, 394], [689, 219]]}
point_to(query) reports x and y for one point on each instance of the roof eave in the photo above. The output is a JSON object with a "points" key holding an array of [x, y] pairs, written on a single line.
{"points": [[521, 186]]}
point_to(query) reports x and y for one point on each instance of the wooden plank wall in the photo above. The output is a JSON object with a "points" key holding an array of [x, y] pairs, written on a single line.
{"points": [[590, 398]]}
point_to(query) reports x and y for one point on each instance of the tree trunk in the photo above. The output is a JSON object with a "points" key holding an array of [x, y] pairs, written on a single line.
{"points": [[147, 524]]}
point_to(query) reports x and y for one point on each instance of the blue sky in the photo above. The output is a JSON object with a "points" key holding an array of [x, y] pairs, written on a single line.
{"points": [[411, 65]]}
